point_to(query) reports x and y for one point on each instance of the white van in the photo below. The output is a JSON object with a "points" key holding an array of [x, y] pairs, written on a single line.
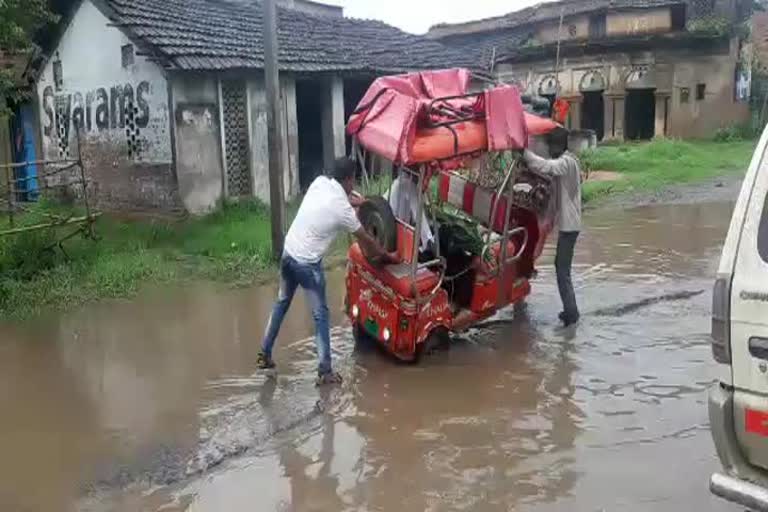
{"points": [[738, 402]]}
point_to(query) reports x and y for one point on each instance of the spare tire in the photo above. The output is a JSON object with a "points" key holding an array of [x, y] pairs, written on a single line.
{"points": [[378, 220]]}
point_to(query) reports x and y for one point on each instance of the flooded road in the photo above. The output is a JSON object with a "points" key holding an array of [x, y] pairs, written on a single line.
{"points": [[155, 404]]}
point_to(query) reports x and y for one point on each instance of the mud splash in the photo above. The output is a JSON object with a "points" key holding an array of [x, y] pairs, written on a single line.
{"points": [[155, 404]]}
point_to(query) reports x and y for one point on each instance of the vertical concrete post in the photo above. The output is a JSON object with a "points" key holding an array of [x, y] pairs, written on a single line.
{"points": [[608, 119], [274, 129], [574, 112], [662, 104], [334, 142], [618, 116], [291, 146]]}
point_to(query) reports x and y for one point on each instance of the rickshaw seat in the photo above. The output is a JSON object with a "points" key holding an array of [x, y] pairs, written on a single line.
{"points": [[397, 277]]}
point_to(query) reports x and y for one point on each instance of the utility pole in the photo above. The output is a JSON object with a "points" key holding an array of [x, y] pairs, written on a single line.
{"points": [[274, 127]]}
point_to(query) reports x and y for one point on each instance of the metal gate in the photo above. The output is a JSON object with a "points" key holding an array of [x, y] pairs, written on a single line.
{"points": [[236, 143]]}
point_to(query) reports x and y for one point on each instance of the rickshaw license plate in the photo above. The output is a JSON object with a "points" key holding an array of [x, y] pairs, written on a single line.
{"points": [[372, 327]]}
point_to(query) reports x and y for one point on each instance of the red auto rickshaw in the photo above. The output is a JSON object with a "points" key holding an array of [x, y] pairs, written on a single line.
{"points": [[489, 214]]}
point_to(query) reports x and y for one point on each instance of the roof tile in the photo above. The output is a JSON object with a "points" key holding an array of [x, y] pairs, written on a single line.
{"points": [[217, 34]]}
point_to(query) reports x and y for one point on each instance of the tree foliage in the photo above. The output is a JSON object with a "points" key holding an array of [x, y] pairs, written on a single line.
{"points": [[19, 21]]}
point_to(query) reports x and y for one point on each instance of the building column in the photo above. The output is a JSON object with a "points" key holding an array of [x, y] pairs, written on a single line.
{"points": [[614, 116], [608, 119], [291, 137], [661, 127], [334, 142], [574, 112]]}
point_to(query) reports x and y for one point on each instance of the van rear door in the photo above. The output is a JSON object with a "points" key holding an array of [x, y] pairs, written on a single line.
{"points": [[749, 326]]}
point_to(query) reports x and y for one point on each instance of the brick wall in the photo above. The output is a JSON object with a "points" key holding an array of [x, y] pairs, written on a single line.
{"points": [[760, 36]]}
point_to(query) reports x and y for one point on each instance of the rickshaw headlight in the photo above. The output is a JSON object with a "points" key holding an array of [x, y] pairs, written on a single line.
{"points": [[386, 334], [355, 311]]}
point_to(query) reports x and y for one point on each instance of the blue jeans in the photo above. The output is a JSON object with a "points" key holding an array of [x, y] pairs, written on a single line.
{"points": [[311, 277]]}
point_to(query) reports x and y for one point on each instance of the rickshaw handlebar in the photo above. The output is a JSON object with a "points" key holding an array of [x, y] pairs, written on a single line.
{"points": [[520, 251]]}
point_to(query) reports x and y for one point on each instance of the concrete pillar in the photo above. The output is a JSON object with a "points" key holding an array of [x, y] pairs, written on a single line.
{"points": [[291, 137], [259, 150], [608, 119], [334, 142], [614, 116], [574, 112], [661, 127]]}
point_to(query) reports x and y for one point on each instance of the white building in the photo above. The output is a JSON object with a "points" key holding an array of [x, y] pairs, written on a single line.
{"points": [[169, 101]]}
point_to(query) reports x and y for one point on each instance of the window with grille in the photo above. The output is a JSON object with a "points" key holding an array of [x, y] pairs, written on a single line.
{"points": [[62, 126], [128, 55], [133, 131], [236, 144], [58, 75], [701, 9], [701, 91], [597, 25]]}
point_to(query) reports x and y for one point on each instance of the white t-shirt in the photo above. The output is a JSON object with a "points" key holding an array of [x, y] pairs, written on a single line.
{"points": [[324, 212]]}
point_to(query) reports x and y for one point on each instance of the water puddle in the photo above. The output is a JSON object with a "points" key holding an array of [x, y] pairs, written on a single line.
{"points": [[155, 404]]}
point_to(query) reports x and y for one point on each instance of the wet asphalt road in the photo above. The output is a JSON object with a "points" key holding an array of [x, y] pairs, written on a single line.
{"points": [[154, 404]]}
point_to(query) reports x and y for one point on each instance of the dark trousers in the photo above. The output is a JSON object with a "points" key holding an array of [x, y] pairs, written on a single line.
{"points": [[563, 261]]}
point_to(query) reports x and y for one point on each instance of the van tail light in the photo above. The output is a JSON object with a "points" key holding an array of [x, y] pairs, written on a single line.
{"points": [[721, 325]]}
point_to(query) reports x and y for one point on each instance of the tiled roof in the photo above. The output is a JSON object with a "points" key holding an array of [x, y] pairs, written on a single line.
{"points": [[221, 34], [483, 47], [543, 12]]}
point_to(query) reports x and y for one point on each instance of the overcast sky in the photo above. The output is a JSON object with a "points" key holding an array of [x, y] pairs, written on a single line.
{"points": [[417, 16]]}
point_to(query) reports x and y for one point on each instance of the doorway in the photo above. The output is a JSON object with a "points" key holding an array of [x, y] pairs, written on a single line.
{"points": [[354, 90], [640, 114], [593, 113], [23, 150], [309, 115]]}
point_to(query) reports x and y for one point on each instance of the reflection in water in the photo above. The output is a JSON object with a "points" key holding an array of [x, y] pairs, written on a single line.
{"points": [[155, 403]]}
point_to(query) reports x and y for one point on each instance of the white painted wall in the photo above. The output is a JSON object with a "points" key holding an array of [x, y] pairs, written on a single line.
{"points": [[96, 85], [198, 142]]}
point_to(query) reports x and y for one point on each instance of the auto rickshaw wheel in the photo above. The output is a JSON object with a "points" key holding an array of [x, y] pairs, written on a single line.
{"points": [[439, 337], [378, 220], [359, 334]]}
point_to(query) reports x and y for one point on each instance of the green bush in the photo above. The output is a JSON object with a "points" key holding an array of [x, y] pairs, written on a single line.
{"points": [[715, 25], [736, 132], [25, 255], [588, 159]]}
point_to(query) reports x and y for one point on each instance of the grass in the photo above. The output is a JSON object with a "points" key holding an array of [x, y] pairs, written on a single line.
{"points": [[233, 244], [649, 167]]}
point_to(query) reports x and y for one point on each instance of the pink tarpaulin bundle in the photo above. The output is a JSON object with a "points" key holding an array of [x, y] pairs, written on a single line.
{"points": [[505, 120], [385, 120], [399, 119]]}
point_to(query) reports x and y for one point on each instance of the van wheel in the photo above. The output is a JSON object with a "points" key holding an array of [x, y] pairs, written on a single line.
{"points": [[377, 218]]}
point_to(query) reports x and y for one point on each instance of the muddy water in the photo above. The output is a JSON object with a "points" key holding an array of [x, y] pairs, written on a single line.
{"points": [[155, 404]]}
